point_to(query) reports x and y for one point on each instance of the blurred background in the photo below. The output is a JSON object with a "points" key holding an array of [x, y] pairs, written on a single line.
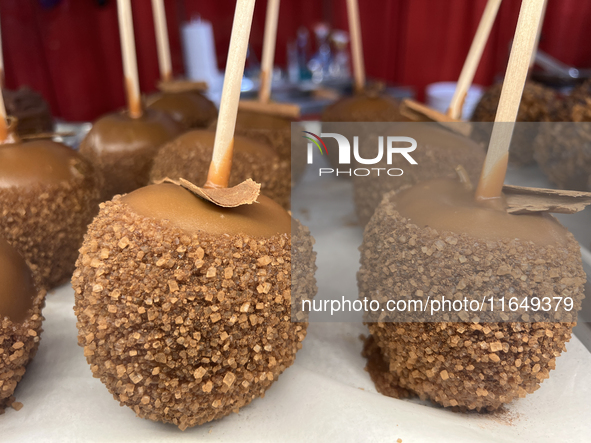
{"points": [[69, 50]]}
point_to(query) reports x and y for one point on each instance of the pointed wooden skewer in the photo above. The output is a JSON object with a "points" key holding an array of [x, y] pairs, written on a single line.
{"points": [[420, 112], [221, 162], [356, 45], [264, 104], [129, 58], [495, 164]]}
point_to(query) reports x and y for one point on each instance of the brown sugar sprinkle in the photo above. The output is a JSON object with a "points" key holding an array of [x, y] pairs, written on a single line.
{"points": [[201, 349], [18, 344]]}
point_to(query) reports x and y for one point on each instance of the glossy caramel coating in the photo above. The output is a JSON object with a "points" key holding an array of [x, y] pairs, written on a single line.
{"points": [[48, 195], [191, 109], [37, 161], [189, 156], [446, 205], [192, 214], [122, 148], [17, 288]]}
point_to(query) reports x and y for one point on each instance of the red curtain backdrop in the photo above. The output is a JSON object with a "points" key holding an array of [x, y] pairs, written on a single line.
{"points": [[71, 54]]}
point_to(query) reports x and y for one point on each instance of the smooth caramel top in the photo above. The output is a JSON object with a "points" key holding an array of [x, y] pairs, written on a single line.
{"points": [[39, 161], [17, 290], [118, 132], [446, 205], [241, 144], [259, 120], [192, 214]]}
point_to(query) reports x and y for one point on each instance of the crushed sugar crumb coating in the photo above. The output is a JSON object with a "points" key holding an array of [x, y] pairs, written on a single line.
{"points": [[184, 329], [46, 223], [175, 160], [18, 345], [463, 365]]}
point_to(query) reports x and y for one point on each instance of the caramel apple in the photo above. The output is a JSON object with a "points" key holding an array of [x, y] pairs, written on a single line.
{"points": [[122, 148], [434, 239], [21, 302], [190, 109], [184, 307], [188, 156], [438, 153], [48, 195]]}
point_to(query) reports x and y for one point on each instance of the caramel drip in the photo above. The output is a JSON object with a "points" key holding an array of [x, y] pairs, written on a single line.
{"points": [[167, 76], [3, 130], [133, 101], [265, 91], [220, 169], [490, 186], [446, 205]]}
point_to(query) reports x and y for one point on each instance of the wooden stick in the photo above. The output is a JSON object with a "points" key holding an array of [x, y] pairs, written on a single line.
{"points": [[473, 58], [162, 40], [132, 83], [221, 162], [269, 50], [495, 164], [418, 112], [532, 61], [356, 45]]}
